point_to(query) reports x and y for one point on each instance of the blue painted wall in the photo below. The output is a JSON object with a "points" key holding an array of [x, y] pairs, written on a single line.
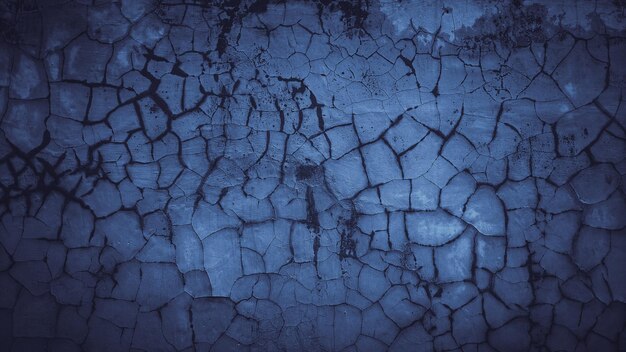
{"points": [[312, 175]]}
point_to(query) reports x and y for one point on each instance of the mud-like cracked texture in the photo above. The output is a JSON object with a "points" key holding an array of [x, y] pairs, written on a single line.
{"points": [[312, 175]]}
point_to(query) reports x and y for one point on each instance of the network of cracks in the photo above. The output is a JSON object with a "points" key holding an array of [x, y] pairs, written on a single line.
{"points": [[312, 175]]}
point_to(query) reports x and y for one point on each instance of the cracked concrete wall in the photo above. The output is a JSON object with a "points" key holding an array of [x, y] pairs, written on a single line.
{"points": [[312, 175]]}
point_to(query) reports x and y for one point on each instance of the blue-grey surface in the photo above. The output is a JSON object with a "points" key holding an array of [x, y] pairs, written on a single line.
{"points": [[320, 176]]}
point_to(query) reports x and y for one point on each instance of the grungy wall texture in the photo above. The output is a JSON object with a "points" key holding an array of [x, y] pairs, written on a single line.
{"points": [[312, 175]]}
